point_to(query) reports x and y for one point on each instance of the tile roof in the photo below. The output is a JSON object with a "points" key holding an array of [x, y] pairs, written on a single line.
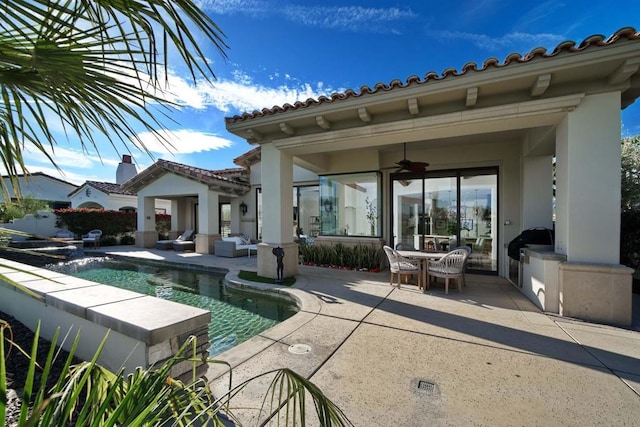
{"points": [[42, 174], [628, 33], [105, 187], [230, 176]]}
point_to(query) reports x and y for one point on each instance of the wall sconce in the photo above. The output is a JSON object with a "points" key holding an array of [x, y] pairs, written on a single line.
{"points": [[243, 208]]}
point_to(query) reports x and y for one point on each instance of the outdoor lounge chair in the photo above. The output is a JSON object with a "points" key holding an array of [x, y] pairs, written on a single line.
{"points": [[450, 266], [402, 266], [92, 238], [168, 244]]}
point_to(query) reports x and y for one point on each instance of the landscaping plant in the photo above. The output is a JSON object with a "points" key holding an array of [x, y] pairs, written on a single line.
{"points": [[86, 394]]}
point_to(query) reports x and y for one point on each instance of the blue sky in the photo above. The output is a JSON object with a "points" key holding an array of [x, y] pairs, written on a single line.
{"points": [[281, 51]]}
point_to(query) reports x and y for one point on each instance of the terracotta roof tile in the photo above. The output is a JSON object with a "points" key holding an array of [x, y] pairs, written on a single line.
{"points": [[628, 33], [205, 176]]}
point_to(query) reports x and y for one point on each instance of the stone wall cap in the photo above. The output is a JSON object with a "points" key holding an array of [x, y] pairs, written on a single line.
{"points": [[596, 268]]}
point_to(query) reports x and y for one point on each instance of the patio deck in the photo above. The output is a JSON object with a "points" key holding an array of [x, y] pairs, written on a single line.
{"points": [[487, 356]]}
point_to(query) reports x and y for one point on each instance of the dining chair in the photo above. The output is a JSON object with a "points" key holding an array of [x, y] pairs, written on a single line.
{"points": [[402, 266], [403, 246], [450, 266], [464, 267]]}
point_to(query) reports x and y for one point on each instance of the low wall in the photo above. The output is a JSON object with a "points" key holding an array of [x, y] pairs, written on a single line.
{"points": [[144, 330], [596, 292]]}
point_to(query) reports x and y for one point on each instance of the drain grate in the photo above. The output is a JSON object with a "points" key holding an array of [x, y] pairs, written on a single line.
{"points": [[299, 349], [426, 387]]}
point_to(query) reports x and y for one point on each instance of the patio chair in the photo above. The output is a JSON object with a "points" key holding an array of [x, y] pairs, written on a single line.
{"points": [[450, 266], [403, 246], [168, 244], [402, 266], [464, 267], [92, 238]]}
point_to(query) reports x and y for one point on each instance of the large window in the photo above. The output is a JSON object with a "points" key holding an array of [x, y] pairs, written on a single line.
{"points": [[306, 211], [350, 204]]}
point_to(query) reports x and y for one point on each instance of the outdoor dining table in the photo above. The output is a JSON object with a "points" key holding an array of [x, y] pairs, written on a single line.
{"points": [[424, 257]]}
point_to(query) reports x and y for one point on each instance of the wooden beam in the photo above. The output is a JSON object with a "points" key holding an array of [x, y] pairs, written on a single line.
{"points": [[626, 70], [285, 128], [412, 104], [541, 85], [323, 123], [364, 115], [472, 96]]}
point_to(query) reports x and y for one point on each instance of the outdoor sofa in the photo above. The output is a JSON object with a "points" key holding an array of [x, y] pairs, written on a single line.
{"points": [[234, 246]]}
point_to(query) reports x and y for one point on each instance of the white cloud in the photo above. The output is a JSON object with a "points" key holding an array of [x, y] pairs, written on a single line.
{"points": [[346, 18], [240, 94], [509, 40], [69, 176], [230, 7], [350, 18], [182, 141], [65, 157]]}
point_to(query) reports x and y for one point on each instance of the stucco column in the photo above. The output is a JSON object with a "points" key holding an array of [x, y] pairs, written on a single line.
{"points": [[588, 181], [146, 236], [208, 222], [277, 213], [537, 192]]}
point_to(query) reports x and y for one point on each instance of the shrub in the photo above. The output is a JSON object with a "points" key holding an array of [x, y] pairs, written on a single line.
{"points": [[127, 240], [359, 256], [112, 223], [109, 241]]}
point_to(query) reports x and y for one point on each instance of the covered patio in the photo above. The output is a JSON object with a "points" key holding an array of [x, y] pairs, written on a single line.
{"points": [[196, 197], [544, 126]]}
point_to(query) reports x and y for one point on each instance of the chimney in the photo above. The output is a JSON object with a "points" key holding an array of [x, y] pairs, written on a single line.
{"points": [[126, 170]]}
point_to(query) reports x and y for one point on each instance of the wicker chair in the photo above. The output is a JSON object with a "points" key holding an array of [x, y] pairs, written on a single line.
{"points": [[464, 267], [403, 246], [450, 266], [402, 266]]}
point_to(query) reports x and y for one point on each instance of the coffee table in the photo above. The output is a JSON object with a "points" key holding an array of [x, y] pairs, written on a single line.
{"points": [[251, 248]]}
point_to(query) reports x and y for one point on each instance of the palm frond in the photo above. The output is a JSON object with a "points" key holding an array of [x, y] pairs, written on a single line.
{"points": [[96, 66]]}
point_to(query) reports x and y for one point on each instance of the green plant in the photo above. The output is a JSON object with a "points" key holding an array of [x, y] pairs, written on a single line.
{"points": [[252, 276], [88, 394], [359, 256], [109, 241], [127, 240]]}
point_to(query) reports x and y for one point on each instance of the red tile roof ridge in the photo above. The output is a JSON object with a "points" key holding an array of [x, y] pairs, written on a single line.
{"points": [[599, 40]]}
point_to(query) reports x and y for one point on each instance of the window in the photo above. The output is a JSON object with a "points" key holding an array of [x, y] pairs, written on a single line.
{"points": [[350, 204]]}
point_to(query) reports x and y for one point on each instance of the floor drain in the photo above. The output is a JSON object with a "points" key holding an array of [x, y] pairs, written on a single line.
{"points": [[426, 387], [299, 349]]}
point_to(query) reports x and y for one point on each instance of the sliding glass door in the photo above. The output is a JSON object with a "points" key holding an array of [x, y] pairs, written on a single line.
{"points": [[444, 210]]}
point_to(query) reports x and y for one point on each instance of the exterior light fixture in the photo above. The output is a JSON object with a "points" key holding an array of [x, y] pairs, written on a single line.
{"points": [[243, 208]]}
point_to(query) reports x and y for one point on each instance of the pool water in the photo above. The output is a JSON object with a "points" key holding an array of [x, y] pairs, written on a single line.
{"points": [[236, 316]]}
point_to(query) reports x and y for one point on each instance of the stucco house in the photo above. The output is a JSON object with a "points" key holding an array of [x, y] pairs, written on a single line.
{"points": [[112, 195], [41, 186], [497, 137]]}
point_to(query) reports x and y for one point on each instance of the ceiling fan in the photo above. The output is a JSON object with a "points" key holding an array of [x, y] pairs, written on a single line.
{"points": [[408, 165]]}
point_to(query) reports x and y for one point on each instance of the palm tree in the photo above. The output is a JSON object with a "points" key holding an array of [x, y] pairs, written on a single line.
{"points": [[97, 66]]}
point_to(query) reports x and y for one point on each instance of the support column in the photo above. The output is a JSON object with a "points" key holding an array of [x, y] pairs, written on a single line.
{"points": [[277, 213], [592, 283], [588, 181], [208, 222], [146, 235]]}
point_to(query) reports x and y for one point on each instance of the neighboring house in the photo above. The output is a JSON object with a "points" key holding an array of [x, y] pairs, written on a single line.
{"points": [[200, 200], [490, 134], [41, 186], [112, 196]]}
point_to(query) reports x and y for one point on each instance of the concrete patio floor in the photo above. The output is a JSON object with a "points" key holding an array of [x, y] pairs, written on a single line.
{"points": [[401, 357]]}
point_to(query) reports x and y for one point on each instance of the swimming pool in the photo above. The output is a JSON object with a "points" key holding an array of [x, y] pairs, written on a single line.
{"points": [[236, 316]]}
